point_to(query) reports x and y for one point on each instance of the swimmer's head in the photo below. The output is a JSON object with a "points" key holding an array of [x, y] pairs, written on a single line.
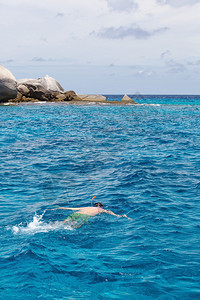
{"points": [[98, 204]]}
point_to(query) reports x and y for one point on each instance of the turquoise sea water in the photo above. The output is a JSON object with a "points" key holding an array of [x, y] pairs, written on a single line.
{"points": [[143, 161]]}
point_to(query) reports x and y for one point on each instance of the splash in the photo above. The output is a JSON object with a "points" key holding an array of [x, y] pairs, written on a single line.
{"points": [[38, 225]]}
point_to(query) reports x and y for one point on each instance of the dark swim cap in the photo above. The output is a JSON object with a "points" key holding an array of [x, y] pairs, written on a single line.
{"points": [[98, 204]]}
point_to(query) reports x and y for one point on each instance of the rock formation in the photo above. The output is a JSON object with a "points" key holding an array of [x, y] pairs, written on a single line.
{"points": [[92, 98], [45, 89], [128, 99], [66, 96], [8, 85], [51, 84], [33, 88], [41, 88]]}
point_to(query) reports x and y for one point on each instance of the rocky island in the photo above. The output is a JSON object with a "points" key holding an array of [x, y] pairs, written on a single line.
{"points": [[45, 89]]}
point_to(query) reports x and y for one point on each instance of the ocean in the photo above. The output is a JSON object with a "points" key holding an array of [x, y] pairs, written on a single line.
{"points": [[138, 160]]}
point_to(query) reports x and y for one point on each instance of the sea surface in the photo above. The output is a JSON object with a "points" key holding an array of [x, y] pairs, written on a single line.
{"points": [[139, 160]]}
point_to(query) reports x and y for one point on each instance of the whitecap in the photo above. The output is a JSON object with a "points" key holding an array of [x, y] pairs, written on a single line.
{"points": [[9, 103], [151, 104], [40, 102], [148, 104]]}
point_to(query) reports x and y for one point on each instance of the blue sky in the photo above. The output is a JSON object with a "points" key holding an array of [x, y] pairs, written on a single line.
{"points": [[104, 46]]}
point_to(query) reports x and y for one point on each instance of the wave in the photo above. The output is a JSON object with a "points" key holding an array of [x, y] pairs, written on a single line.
{"points": [[38, 225], [148, 104], [8, 103]]}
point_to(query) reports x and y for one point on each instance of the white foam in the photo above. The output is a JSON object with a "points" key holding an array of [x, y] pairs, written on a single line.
{"points": [[148, 104], [9, 103], [37, 225]]}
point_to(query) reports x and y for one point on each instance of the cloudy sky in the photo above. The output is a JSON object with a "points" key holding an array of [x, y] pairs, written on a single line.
{"points": [[104, 46]]}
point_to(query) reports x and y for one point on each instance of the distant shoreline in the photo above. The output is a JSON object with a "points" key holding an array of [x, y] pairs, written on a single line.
{"points": [[72, 102]]}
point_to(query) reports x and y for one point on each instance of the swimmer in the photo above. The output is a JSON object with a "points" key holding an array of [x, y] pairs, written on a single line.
{"points": [[83, 214]]}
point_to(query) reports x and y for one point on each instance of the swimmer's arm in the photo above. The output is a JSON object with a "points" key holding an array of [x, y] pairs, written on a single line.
{"points": [[125, 216], [113, 214]]}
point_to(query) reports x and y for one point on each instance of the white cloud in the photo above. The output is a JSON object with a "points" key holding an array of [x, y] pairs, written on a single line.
{"points": [[178, 3], [194, 63], [172, 65], [175, 67], [132, 31], [144, 73], [165, 54], [41, 59], [121, 5], [60, 15]]}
